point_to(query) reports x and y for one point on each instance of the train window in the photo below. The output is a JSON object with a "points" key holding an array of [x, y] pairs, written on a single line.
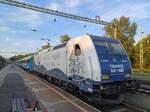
{"points": [[101, 47], [77, 50], [116, 48]]}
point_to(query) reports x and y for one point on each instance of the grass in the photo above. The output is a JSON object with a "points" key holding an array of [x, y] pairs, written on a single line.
{"points": [[145, 75], [141, 77], [138, 70]]}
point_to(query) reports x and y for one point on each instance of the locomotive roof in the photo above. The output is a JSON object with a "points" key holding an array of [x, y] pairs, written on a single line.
{"points": [[60, 46], [26, 58], [94, 37], [102, 38]]}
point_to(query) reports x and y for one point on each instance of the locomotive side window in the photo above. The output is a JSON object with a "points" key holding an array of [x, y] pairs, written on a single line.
{"points": [[77, 50]]}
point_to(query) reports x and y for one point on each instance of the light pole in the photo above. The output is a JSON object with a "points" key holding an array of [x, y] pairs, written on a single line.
{"points": [[141, 48], [115, 32], [115, 28]]}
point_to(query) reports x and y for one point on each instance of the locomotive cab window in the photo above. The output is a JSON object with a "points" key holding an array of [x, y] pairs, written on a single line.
{"points": [[101, 47], [77, 50], [116, 48]]}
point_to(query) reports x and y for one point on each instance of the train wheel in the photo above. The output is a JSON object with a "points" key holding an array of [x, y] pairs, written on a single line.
{"points": [[46, 77], [60, 83], [55, 81], [75, 90], [49, 78]]}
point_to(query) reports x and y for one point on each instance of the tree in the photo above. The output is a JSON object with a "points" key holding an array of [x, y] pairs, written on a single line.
{"points": [[125, 33], [18, 57], [64, 38], [2, 62], [146, 53]]}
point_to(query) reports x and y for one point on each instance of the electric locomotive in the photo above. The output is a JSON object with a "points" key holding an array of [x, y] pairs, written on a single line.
{"points": [[98, 67]]}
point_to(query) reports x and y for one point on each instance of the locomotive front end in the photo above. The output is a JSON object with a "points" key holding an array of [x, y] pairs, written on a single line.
{"points": [[115, 69]]}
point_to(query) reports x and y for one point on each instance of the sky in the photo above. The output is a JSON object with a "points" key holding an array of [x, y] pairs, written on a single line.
{"points": [[16, 24]]}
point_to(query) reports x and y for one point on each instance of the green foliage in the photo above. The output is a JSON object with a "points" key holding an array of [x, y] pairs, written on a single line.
{"points": [[64, 38], [125, 33], [146, 53], [18, 57], [2, 62]]}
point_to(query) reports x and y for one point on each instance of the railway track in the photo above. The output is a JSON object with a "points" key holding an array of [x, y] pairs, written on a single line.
{"points": [[102, 108], [144, 87], [123, 107]]}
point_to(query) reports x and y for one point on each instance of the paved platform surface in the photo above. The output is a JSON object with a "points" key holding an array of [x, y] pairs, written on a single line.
{"points": [[53, 99], [11, 85]]}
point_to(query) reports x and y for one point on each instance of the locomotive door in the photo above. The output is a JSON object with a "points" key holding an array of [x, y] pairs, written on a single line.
{"points": [[74, 53]]}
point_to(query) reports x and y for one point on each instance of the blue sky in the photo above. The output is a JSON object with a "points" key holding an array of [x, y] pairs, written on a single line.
{"points": [[16, 24]]}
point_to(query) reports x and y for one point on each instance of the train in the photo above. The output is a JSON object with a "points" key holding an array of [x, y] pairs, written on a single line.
{"points": [[88, 65]]}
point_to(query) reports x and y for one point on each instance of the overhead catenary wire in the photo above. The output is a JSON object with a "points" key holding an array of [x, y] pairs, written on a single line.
{"points": [[97, 19], [53, 12]]}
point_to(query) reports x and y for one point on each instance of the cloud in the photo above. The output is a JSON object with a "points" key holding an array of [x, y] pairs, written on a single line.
{"points": [[95, 6], [8, 39], [32, 43], [72, 3], [68, 6], [31, 18], [19, 31], [17, 44], [110, 10], [4, 28], [53, 6], [137, 11], [27, 44]]}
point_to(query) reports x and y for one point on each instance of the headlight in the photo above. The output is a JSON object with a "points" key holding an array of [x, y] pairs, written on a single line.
{"points": [[127, 75], [102, 88], [105, 77]]}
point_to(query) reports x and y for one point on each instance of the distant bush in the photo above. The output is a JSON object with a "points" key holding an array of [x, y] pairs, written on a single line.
{"points": [[138, 70], [2, 62]]}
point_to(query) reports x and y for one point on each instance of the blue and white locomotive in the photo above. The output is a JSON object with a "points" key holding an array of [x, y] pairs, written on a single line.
{"points": [[96, 66]]}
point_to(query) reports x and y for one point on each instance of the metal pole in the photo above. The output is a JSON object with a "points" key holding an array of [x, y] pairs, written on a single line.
{"points": [[141, 49], [115, 32]]}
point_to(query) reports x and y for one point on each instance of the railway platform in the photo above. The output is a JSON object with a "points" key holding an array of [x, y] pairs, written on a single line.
{"points": [[14, 94], [14, 80]]}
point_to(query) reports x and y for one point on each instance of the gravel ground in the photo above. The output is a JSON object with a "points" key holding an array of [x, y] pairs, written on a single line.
{"points": [[141, 100]]}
